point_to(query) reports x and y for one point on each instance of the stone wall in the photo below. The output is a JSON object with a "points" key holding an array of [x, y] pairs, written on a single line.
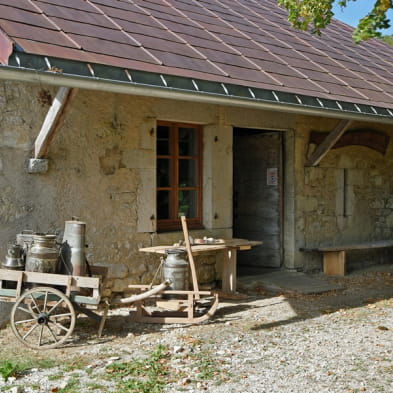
{"points": [[347, 198]]}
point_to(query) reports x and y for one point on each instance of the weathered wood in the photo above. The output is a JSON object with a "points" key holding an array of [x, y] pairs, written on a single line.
{"points": [[334, 263], [328, 143], [354, 246], [173, 305], [334, 257], [142, 314], [50, 279], [372, 139], [190, 256], [230, 248], [53, 120]]}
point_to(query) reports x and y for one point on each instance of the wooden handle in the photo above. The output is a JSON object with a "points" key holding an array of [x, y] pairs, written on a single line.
{"points": [[190, 257]]}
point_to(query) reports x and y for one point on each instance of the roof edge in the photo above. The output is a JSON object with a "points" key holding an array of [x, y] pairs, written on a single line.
{"points": [[39, 69], [6, 47]]}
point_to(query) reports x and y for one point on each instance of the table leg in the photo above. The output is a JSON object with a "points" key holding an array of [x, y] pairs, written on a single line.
{"points": [[229, 271]]}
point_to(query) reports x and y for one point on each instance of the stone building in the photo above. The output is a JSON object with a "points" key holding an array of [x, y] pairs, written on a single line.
{"points": [[218, 110]]}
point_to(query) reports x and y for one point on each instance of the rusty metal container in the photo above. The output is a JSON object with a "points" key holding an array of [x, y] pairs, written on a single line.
{"points": [[73, 248], [43, 254]]}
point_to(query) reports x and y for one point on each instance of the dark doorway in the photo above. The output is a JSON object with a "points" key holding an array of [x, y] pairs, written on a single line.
{"points": [[257, 199]]}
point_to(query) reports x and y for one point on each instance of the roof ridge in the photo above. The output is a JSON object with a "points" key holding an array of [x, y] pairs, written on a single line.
{"points": [[54, 24], [139, 44]]}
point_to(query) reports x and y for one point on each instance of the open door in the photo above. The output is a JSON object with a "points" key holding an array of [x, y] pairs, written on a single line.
{"points": [[257, 199]]}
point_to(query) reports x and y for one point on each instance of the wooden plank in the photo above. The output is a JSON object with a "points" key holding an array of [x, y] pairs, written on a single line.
{"points": [[334, 263], [349, 247], [359, 246], [8, 292], [53, 120], [173, 305], [85, 299], [328, 142], [49, 278]]}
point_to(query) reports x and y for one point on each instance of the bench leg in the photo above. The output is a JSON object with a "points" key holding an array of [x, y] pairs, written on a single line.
{"points": [[334, 263]]}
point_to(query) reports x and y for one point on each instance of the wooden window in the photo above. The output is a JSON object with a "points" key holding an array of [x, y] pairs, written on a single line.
{"points": [[179, 175]]}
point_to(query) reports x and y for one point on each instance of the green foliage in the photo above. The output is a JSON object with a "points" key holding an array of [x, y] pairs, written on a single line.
{"points": [[388, 39], [12, 369], [8, 369], [315, 15], [141, 376], [73, 386]]}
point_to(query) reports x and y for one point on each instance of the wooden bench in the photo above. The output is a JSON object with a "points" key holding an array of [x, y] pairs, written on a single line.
{"points": [[334, 256]]}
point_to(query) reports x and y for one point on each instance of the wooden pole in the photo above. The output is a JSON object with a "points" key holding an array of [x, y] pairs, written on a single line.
{"points": [[190, 257], [53, 121], [328, 143]]}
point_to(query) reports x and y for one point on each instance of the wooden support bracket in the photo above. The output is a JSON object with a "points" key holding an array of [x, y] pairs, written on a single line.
{"points": [[328, 143], [53, 121]]}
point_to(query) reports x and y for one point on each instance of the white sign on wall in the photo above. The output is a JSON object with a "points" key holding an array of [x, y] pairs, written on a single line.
{"points": [[272, 176]]}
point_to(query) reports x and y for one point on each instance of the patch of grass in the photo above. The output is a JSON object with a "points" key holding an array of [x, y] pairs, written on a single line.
{"points": [[206, 366], [56, 376], [76, 364], [73, 386], [8, 369], [141, 376], [14, 368], [95, 386]]}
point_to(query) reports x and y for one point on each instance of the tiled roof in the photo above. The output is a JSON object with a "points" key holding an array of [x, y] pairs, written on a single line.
{"points": [[241, 42]]}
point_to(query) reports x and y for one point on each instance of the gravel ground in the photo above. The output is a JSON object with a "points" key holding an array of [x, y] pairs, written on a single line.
{"points": [[339, 341]]}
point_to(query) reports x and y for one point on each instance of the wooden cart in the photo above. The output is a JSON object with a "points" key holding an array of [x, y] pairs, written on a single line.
{"points": [[46, 304]]}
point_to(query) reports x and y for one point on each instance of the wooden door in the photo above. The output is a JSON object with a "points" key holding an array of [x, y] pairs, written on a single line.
{"points": [[257, 185]]}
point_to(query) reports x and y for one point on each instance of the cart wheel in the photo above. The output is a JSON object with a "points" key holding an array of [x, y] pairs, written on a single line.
{"points": [[43, 318]]}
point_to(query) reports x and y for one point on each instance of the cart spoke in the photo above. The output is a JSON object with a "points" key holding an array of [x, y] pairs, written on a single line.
{"points": [[30, 331], [68, 314], [55, 306], [45, 301], [35, 303], [24, 310], [40, 336], [52, 334], [25, 321], [59, 325]]}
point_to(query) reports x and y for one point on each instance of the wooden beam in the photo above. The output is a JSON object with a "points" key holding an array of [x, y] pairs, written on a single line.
{"points": [[328, 142], [53, 121]]}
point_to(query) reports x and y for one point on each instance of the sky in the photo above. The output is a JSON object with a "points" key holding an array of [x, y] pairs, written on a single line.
{"points": [[356, 10]]}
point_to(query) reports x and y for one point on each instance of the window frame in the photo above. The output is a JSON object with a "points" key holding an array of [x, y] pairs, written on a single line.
{"points": [[174, 223]]}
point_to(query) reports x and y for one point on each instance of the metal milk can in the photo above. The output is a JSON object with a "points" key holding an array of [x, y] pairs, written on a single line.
{"points": [[73, 248], [43, 254], [175, 269], [14, 258]]}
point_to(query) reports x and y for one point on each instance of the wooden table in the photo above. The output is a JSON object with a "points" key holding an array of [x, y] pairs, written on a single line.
{"points": [[229, 247]]}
